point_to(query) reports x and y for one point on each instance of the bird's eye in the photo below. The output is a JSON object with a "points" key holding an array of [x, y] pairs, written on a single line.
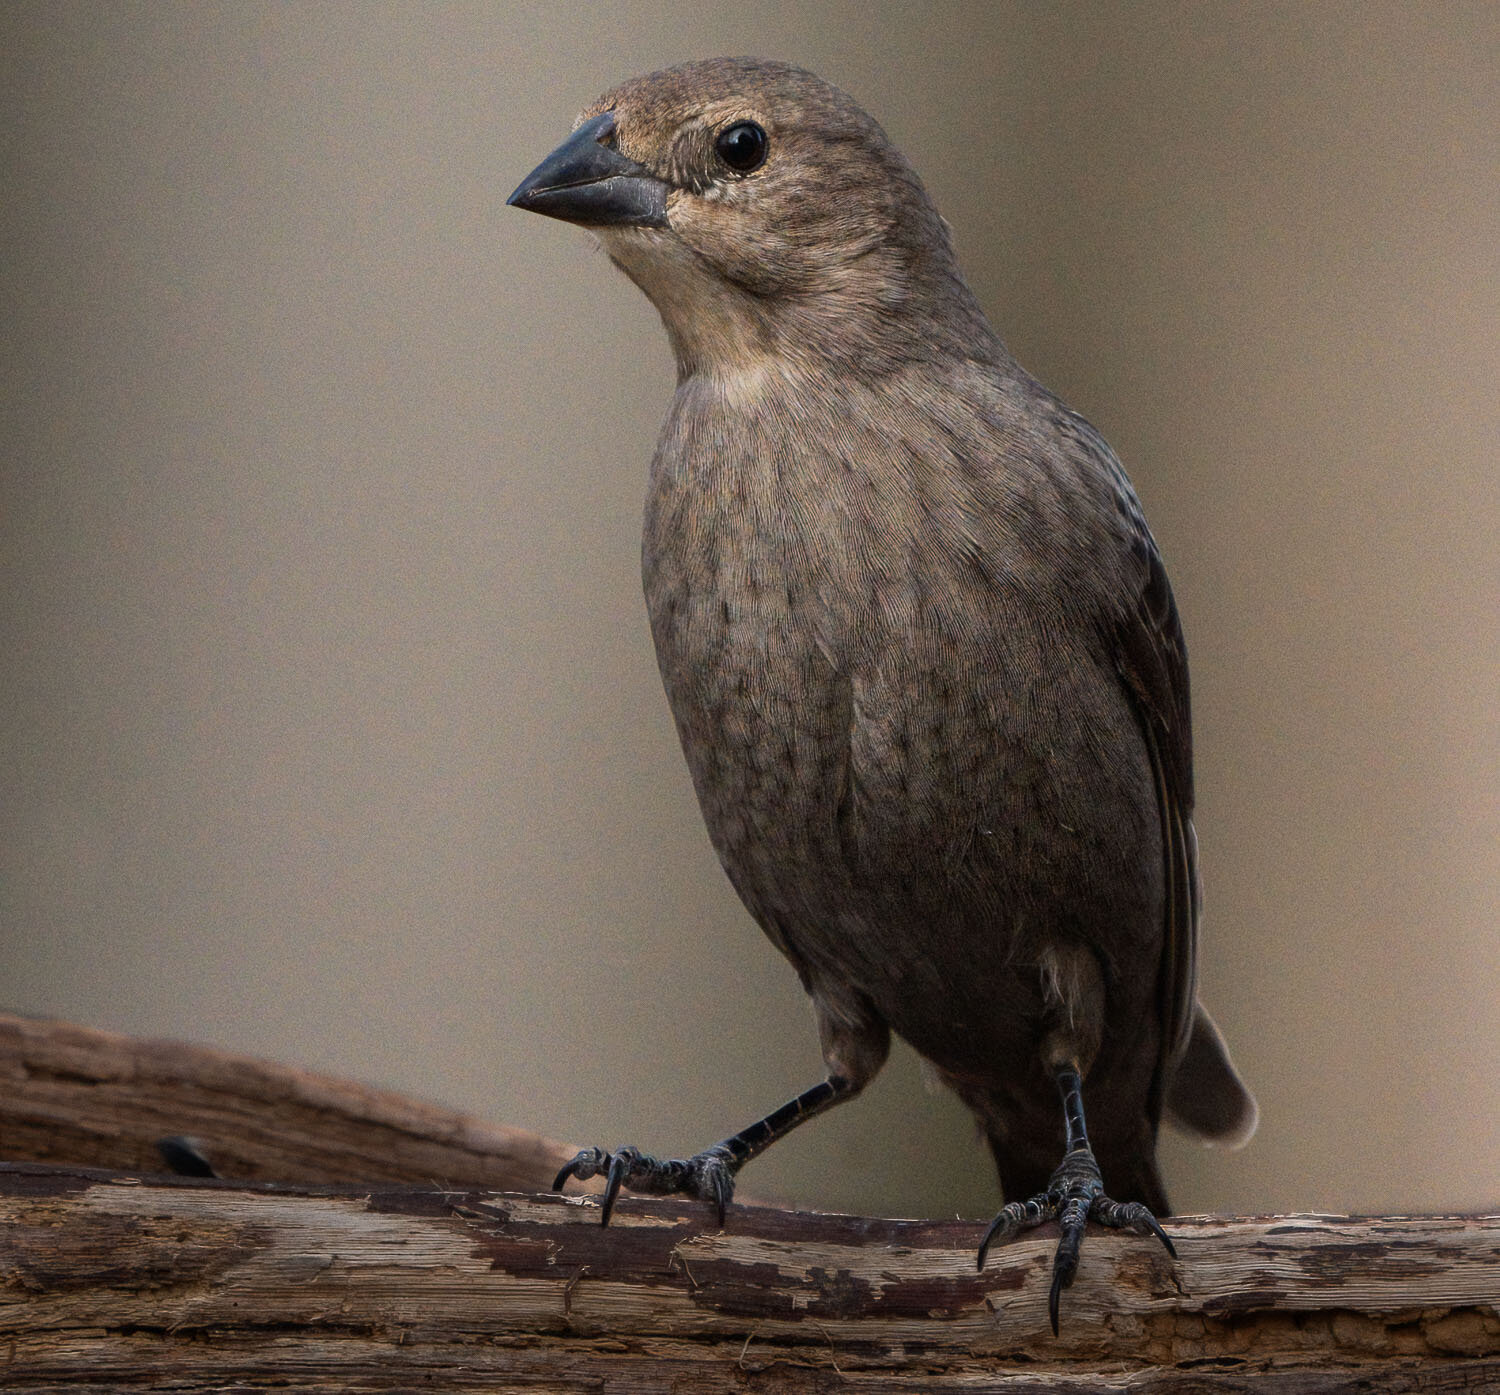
{"points": [[742, 146]]}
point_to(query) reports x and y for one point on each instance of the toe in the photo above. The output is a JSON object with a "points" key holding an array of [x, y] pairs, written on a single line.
{"points": [[619, 1168], [1130, 1215], [714, 1182], [586, 1163], [1014, 1217]]}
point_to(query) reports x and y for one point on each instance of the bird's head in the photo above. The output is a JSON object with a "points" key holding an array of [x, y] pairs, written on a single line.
{"points": [[766, 215]]}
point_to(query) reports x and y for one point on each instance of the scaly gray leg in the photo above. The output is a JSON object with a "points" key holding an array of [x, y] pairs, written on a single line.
{"points": [[710, 1174]]}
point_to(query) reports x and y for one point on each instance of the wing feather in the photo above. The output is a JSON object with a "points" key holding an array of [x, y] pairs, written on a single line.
{"points": [[1152, 659]]}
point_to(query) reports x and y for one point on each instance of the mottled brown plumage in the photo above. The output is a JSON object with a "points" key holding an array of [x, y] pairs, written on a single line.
{"points": [[918, 641]]}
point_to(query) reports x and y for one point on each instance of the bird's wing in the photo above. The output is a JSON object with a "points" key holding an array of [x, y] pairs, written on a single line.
{"points": [[1151, 657], [1144, 638]]}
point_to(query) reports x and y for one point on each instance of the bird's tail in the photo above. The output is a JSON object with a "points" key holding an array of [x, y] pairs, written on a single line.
{"points": [[1206, 1096]]}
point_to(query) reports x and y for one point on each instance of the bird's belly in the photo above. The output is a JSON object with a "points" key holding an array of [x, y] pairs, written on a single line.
{"points": [[919, 850], [763, 718]]}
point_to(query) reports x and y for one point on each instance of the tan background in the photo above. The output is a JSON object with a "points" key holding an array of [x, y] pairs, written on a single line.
{"points": [[332, 730]]}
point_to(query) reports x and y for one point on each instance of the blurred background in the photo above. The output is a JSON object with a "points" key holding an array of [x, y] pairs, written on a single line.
{"points": [[332, 730]]}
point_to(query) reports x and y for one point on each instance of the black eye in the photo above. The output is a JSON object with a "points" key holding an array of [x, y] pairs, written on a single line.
{"points": [[742, 146]]}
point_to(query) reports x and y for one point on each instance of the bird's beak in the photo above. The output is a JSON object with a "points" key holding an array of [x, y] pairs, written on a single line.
{"points": [[586, 181]]}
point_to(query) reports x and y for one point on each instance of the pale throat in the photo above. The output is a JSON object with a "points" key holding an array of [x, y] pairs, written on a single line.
{"points": [[712, 328]]}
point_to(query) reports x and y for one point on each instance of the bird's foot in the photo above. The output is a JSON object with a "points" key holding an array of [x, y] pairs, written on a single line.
{"points": [[708, 1175], [1074, 1196]]}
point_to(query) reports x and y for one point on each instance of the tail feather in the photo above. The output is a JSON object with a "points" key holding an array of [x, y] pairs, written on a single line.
{"points": [[1206, 1096]]}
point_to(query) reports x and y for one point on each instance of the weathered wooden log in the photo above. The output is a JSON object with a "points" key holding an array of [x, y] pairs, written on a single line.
{"points": [[70, 1094], [137, 1283], [128, 1281]]}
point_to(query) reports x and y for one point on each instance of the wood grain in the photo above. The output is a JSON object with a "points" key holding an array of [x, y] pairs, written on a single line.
{"points": [[335, 1276], [151, 1283]]}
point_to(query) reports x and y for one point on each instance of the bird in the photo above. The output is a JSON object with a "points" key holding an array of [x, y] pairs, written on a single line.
{"points": [[921, 651]]}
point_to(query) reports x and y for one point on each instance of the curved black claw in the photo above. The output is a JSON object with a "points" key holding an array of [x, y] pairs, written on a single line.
{"points": [[1074, 1196], [708, 1175]]}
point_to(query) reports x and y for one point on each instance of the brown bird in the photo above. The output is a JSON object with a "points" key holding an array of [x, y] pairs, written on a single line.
{"points": [[920, 647]]}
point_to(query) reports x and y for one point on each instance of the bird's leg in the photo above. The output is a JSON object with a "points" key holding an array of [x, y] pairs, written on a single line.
{"points": [[1074, 1196], [710, 1174]]}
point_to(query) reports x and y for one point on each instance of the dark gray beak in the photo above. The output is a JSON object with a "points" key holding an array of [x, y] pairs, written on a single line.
{"points": [[587, 181]]}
